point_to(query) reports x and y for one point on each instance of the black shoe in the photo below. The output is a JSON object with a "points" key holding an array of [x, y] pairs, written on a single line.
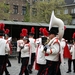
{"points": [[68, 71], [7, 74], [30, 71], [74, 72]]}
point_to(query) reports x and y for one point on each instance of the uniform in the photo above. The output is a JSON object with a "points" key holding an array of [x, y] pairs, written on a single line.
{"points": [[73, 56], [65, 53], [52, 60], [69, 60], [7, 60], [3, 47], [25, 53], [38, 41], [40, 60], [32, 53], [72, 51], [19, 42], [63, 44]]}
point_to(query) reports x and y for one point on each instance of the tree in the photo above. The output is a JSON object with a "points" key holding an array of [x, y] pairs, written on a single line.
{"points": [[4, 9], [27, 15], [44, 10]]}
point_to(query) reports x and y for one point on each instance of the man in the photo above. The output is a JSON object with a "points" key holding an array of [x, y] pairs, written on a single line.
{"points": [[73, 55], [32, 51], [25, 52], [52, 59], [20, 41], [65, 53], [4, 46], [40, 56], [72, 51], [6, 37]]}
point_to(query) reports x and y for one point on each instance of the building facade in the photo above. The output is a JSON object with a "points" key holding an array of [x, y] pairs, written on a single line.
{"points": [[17, 9], [70, 9]]}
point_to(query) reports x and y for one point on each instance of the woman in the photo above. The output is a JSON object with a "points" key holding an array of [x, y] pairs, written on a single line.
{"points": [[25, 51]]}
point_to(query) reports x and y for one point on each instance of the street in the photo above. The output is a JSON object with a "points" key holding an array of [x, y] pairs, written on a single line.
{"points": [[15, 68]]}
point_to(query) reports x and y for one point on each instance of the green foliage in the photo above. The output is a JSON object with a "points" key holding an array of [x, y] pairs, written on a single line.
{"points": [[27, 15], [44, 10], [4, 9]]}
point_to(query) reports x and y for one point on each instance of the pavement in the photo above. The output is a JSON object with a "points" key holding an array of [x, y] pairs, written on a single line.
{"points": [[15, 68]]}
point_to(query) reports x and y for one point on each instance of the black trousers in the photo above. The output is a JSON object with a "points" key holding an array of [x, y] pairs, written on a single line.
{"points": [[24, 65], [2, 64], [19, 57], [30, 66], [69, 64], [52, 68], [9, 64], [7, 60], [41, 70], [73, 65]]}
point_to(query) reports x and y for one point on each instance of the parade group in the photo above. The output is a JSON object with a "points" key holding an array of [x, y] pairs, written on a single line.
{"points": [[45, 54]]}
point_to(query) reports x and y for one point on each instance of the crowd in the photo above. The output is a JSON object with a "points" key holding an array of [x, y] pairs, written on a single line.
{"points": [[45, 54]]}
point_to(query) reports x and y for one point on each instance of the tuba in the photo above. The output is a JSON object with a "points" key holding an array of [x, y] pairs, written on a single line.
{"points": [[57, 22]]}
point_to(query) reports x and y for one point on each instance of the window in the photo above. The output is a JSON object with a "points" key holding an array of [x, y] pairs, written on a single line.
{"points": [[6, 8], [23, 10], [5, 19], [34, 0], [66, 11], [24, 0], [15, 20], [74, 0], [34, 11], [72, 10], [73, 21], [15, 7]]}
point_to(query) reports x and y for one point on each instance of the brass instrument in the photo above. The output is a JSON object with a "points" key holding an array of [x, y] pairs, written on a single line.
{"points": [[48, 40], [54, 21]]}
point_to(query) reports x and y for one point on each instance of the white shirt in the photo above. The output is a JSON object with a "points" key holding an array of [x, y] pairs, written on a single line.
{"points": [[40, 55], [32, 45], [25, 52], [55, 48], [7, 51], [19, 42], [63, 44], [3, 46]]}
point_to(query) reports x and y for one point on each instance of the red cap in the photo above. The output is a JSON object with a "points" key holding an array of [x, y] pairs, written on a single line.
{"points": [[33, 30], [24, 32], [2, 25], [45, 32], [7, 31]]}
